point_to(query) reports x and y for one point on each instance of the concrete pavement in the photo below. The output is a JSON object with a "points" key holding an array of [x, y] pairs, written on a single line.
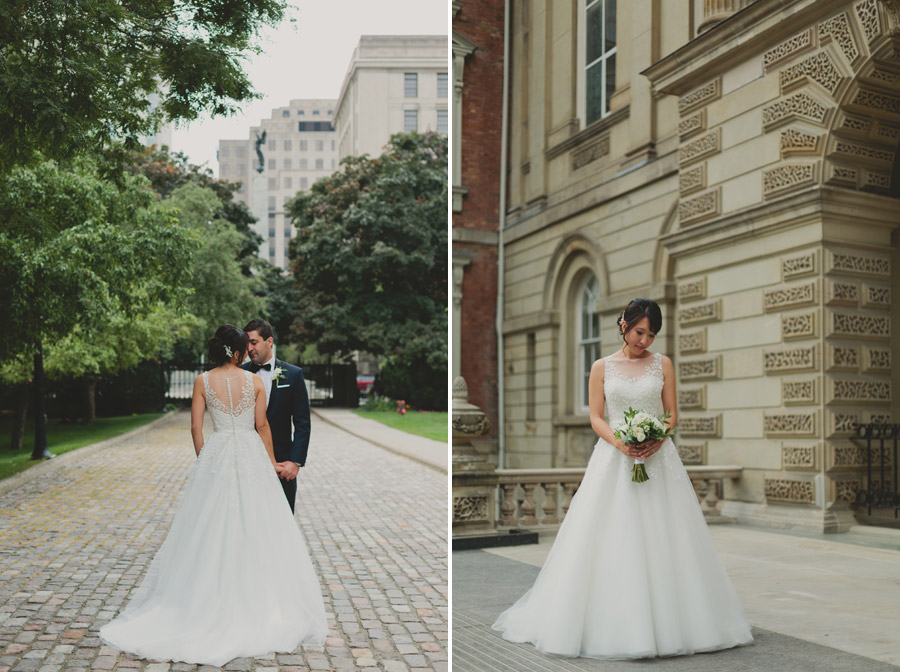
{"points": [[76, 541], [816, 602]]}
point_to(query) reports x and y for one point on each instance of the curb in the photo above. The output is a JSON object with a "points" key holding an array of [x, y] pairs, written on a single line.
{"points": [[60, 461], [376, 442]]}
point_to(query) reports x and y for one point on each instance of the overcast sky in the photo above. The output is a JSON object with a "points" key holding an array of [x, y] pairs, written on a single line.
{"points": [[308, 59]]}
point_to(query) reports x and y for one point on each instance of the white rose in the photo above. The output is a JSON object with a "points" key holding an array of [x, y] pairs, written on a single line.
{"points": [[641, 418], [639, 434]]}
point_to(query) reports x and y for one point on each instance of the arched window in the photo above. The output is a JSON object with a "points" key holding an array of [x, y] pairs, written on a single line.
{"points": [[588, 331]]}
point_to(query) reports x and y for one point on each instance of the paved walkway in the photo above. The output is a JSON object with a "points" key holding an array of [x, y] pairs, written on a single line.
{"points": [[77, 540], [816, 602]]}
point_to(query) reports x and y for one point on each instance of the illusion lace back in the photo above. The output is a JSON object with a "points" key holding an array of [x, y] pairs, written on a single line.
{"points": [[233, 577], [632, 572]]}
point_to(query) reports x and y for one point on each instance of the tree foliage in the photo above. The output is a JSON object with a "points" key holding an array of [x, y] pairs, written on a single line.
{"points": [[370, 259], [77, 74]]}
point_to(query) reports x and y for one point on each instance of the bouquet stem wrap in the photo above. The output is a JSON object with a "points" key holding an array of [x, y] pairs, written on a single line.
{"points": [[639, 473]]}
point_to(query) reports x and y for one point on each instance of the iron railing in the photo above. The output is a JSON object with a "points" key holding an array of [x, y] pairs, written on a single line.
{"points": [[881, 446]]}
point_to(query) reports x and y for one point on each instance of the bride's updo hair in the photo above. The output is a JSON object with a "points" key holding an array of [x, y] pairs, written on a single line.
{"points": [[637, 310], [230, 337]]}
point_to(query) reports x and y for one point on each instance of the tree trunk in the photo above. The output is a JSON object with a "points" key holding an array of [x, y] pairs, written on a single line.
{"points": [[18, 431], [40, 450], [90, 400]]}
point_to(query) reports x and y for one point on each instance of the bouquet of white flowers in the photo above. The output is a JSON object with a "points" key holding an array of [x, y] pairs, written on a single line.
{"points": [[640, 426]]}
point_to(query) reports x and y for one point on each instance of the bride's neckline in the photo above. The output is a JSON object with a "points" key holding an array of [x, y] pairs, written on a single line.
{"points": [[224, 377], [616, 358]]}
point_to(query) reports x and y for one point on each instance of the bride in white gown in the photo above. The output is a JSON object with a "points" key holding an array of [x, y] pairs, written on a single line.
{"points": [[632, 572], [233, 577]]}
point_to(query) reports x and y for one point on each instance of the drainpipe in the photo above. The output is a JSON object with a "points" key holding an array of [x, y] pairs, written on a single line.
{"points": [[501, 256]]}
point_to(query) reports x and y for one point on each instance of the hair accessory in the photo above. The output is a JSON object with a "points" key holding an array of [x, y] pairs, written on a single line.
{"points": [[229, 352]]}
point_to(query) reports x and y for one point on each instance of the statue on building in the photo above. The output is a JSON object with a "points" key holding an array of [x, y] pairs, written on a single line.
{"points": [[260, 141]]}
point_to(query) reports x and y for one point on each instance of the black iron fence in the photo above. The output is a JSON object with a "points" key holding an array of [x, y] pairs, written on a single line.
{"points": [[326, 384], [881, 447]]}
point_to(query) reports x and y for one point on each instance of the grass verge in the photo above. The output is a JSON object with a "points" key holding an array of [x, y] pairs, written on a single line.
{"points": [[429, 425], [62, 438]]}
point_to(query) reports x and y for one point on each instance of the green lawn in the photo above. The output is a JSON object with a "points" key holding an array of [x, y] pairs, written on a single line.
{"points": [[61, 438], [429, 425]]}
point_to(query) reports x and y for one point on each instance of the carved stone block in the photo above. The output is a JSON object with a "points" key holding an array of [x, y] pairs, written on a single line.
{"points": [[710, 426], [692, 125], [795, 142], [692, 343], [843, 176], [792, 360], [798, 106], [842, 358], [860, 153], [700, 207], [840, 423], [692, 399], [692, 453], [700, 369], [863, 327], [845, 489], [791, 47], [791, 490], [799, 266], [878, 418], [799, 456], [877, 101], [857, 264], [694, 290], [701, 313], [790, 424], [700, 97], [855, 391], [818, 67], [799, 326], [791, 296], [788, 177], [705, 145], [470, 509], [876, 296], [875, 181], [692, 179], [841, 293], [596, 150], [838, 29], [876, 360], [869, 20], [799, 392]]}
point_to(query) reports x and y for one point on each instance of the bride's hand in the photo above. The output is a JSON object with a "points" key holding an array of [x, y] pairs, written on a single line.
{"points": [[648, 448], [629, 449]]}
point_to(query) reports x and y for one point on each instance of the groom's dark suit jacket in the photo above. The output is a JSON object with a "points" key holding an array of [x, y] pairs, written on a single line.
{"points": [[288, 408]]}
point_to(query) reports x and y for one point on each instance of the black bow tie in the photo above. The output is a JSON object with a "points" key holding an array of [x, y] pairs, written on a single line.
{"points": [[267, 367]]}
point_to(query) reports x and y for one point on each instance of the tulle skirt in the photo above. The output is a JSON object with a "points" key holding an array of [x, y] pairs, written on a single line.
{"points": [[233, 577], [633, 572]]}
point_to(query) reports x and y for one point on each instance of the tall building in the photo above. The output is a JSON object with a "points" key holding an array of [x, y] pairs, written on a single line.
{"points": [[394, 84], [285, 154]]}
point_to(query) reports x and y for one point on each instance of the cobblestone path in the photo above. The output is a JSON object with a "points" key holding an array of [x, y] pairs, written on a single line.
{"points": [[75, 542]]}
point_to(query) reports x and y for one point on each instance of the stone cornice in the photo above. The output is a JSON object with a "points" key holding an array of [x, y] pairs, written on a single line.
{"points": [[541, 320], [595, 129], [475, 236], [760, 24]]}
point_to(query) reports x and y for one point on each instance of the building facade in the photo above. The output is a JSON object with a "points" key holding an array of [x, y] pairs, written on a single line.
{"points": [[736, 161], [285, 154], [394, 84]]}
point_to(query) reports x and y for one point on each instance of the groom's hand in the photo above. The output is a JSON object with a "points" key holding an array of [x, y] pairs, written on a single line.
{"points": [[289, 470]]}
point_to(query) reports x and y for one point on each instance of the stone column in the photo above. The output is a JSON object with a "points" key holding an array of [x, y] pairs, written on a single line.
{"points": [[474, 480]]}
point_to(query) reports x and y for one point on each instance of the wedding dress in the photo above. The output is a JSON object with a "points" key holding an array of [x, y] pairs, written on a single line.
{"points": [[233, 577], [633, 572]]}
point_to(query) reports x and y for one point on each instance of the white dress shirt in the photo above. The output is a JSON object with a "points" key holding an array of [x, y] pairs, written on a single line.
{"points": [[267, 378]]}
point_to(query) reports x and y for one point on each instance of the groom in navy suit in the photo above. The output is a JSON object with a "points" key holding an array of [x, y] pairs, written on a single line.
{"points": [[287, 405]]}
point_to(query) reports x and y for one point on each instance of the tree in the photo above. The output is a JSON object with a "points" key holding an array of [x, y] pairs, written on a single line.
{"points": [[370, 261], [75, 75]]}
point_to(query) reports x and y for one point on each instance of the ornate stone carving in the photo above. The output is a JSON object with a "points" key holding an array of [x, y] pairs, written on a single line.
{"points": [[845, 489], [700, 369], [793, 46], [788, 177], [838, 293], [794, 296], [842, 358], [701, 207], [850, 457], [885, 132], [800, 105], [692, 343], [876, 296], [700, 426], [857, 152], [865, 327], [700, 97], [798, 392], [701, 313], [792, 360], [867, 14], [700, 148], [883, 418], [596, 150], [841, 175], [862, 265], [853, 124], [873, 181], [841, 424], [800, 457], [858, 392], [693, 290], [692, 179], [837, 28], [692, 453], [692, 125], [795, 141], [693, 399], [876, 360], [790, 424], [818, 68], [797, 267], [470, 509], [790, 490], [878, 101], [794, 327]]}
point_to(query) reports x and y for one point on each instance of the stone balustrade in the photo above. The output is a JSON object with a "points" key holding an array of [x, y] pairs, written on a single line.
{"points": [[541, 497]]}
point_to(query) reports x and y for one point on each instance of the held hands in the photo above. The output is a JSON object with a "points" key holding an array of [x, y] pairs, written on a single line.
{"points": [[639, 450], [286, 470]]}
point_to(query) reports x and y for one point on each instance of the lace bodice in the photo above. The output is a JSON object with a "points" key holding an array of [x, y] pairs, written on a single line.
{"points": [[632, 383], [232, 408]]}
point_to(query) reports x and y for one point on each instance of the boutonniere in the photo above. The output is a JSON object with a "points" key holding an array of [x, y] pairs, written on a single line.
{"points": [[277, 373]]}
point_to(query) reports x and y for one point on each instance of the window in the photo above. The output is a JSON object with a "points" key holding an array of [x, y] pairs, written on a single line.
{"points": [[306, 126], [287, 183], [271, 232], [442, 121], [330, 112], [600, 57], [333, 164], [285, 113], [242, 169], [332, 146], [442, 85], [272, 216], [273, 183], [304, 183], [410, 85], [410, 121], [271, 164], [271, 252], [287, 232], [320, 145], [223, 170], [304, 164], [287, 164], [588, 334], [301, 112], [273, 145], [224, 151], [287, 145], [241, 151], [316, 113], [320, 164], [304, 145], [271, 203]]}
